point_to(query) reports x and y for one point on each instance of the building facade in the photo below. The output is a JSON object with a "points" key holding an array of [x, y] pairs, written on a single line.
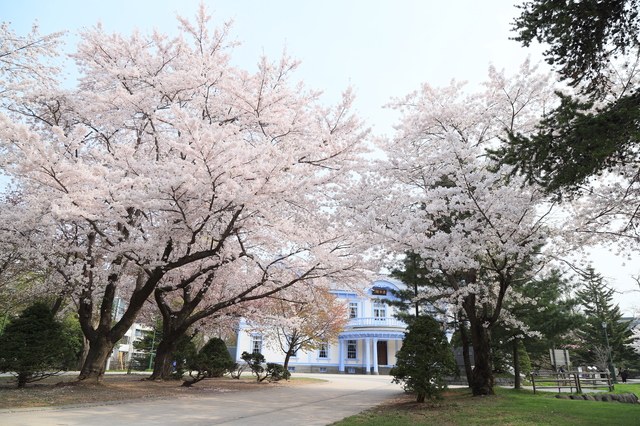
{"points": [[368, 344]]}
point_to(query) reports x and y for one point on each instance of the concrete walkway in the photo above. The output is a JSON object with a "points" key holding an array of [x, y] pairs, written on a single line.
{"points": [[315, 404]]}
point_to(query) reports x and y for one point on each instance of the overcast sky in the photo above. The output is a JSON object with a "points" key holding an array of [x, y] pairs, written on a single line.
{"points": [[383, 49]]}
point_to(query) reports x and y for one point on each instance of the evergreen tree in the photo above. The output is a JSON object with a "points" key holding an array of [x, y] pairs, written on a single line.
{"points": [[35, 345], [577, 141], [213, 360], [148, 344], [553, 315], [416, 277], [424, 359], [184, 351], [410, 305], [597, 302], [582, 37]]}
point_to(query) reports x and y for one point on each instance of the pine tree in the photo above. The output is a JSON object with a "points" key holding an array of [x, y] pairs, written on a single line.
{"points": [[35, 345], [597, 302], [554, 315], [424, 360], [417, 279], [410, 305]]}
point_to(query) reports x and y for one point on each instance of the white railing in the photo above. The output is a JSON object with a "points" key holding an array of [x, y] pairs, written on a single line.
{"points": [[376, 322]]}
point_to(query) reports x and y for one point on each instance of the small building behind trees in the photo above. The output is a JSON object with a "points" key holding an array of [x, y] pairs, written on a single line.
{"points": [[367, 345]]}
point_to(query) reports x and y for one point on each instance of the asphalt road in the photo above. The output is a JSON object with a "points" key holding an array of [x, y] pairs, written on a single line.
{"points": [[315, 404]]}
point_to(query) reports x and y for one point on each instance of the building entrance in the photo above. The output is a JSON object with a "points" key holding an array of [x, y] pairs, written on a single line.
{"points": [[382, 352]]}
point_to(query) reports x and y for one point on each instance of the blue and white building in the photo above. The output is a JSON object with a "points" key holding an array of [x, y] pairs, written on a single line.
{"points": [[368, 344]]}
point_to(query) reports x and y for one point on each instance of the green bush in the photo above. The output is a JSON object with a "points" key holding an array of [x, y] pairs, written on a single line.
{"points": [[254, 361], [35, 345], [424, 360], [183, 354], [277, 372], [274, 372], [215, 359]]}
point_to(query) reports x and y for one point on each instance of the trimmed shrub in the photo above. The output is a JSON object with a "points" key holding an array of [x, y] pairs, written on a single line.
{"points": [[424, 360], [277, 372]]}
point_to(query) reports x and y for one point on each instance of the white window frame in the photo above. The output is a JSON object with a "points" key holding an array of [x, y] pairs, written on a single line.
{"points": [[379, 310], [324, 347], [256, 343], [353, 310], [355, 349]]}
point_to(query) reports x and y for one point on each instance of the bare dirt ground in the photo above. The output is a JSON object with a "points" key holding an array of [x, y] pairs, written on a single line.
{"points": [[64, 390]]}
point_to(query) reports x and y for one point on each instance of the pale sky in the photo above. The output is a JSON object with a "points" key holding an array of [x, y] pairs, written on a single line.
{"points": [[383, 48]]}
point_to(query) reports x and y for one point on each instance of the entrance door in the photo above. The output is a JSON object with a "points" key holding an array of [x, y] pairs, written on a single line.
{"points": [[382, 352]]}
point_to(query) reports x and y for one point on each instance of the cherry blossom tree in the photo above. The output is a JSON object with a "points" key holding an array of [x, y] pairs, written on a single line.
{"points": [[443, 199], [166, 164], [302, 319], [27, 60], [233, 291]]}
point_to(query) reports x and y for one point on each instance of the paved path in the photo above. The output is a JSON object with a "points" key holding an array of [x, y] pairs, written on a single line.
{"points": [[316, 404]]}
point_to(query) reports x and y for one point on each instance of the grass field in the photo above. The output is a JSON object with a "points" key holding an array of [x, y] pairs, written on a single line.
{"points": [[509, 407]]}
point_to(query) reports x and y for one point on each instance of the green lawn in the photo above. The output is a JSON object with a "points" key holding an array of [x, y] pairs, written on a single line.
{"points": [[509, 407]]}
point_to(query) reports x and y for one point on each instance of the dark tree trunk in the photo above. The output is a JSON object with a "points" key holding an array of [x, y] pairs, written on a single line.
{"points": [[83, 355], [22, 379], [287, 357], [516, 365], [482, 376], [163, 361], [465, 352], [174, 325], [104, 335], [96, 361]]}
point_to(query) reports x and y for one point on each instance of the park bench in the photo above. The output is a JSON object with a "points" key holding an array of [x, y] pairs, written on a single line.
{"points": [[572, 379]]}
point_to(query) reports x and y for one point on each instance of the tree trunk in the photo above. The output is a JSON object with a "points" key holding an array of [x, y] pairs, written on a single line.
{"points": [[83, 355], [163, 361], [516, 365], [104, 335], [482, 376], [22, 379], [96, 360], [287, 357]]}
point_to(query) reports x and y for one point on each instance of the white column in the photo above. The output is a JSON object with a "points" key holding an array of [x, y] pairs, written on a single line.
{"points": [[375, 356], [239, 344], [367, 355], [341, 343], [395, 360]]}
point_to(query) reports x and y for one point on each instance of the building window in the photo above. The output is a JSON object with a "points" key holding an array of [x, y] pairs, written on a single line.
{"points": [[353, 309], [323, 351], [256, 344], [292, 369], [379, 310], [351, 370], [379, 291], [352, 349], [323, 369]]}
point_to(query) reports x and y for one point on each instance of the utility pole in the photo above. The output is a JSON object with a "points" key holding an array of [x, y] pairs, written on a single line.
{"points": [[153, 343]]}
